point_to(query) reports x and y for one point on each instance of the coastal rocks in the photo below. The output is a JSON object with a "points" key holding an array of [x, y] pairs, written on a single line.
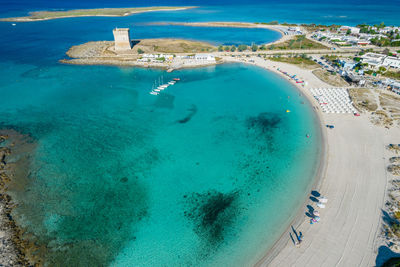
{"points": [[212, 214], [12, 247]]}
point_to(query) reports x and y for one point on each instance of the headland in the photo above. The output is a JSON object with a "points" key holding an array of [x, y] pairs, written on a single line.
{"points": [[98, 12]]}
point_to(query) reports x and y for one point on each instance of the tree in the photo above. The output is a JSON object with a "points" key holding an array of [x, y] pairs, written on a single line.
{"points": [[220, 48], [140, 51], [386, 51], [233, 48], [227, 48], [348, 32], [254, 47], [242, 47], [262, 47]]}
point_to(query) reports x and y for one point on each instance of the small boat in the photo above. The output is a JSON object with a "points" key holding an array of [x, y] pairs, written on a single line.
{"points": [[13, 24], [154, 93], [176, 79]]}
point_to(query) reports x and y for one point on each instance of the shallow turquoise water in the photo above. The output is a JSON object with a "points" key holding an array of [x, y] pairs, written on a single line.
{"points": [[209, 172]]}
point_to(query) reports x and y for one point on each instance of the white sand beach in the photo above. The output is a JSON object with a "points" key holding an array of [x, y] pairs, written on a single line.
{"points": [[354, 180]]}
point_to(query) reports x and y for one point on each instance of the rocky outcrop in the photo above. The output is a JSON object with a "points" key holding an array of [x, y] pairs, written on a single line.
{"points": [[12, 246]]}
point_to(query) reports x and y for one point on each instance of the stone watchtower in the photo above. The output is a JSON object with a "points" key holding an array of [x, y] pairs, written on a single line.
{"points": [[122, 39]]}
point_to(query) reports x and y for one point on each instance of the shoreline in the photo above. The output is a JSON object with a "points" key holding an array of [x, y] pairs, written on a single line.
{"points": [[276, 28], [17, 249], [283, 253], [29, 19], [352, 167], [318, 179]]}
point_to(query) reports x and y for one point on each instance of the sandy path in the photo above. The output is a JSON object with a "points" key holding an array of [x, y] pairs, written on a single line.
{"points": [[353, 179]]}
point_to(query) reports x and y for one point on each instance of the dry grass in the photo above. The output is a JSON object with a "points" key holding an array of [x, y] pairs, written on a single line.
{"points": [[301, 62], [173, 46], [105, 49], [363, 99], [298, 42], [383, 105], [332, 79]]}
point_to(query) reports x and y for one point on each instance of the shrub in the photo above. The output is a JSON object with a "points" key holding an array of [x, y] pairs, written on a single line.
{"points": [[242, 48]]}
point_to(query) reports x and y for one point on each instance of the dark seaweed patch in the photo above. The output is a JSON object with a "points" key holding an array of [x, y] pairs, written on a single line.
{"points": [[192, 111], [264, 122], [212, 214], [261, 130]]}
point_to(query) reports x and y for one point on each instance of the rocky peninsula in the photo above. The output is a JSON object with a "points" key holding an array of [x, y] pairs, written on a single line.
{"points": [[172, 54]]}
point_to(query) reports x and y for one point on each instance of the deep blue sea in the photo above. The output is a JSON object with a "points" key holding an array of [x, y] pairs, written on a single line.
{"points": [[350, 12], [210, 173]]}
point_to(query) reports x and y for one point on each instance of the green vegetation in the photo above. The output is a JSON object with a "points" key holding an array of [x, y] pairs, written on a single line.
{"points": [[299, 42], [40, 15], [233, 48], [331, 57], [220, 48], [393, 262], [242, 48], [392, 74], [254, 47], [302, 60], [140, 51], [274, 22]]}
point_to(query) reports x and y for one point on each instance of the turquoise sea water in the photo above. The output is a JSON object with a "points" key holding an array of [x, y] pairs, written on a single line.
{"points": [[207, 174]]}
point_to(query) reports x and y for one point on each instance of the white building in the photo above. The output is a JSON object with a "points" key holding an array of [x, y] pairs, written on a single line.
{"points": [[206, 57], [392, 62], [157, 56], [373, 59], [392, 85], [353, 30]]}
